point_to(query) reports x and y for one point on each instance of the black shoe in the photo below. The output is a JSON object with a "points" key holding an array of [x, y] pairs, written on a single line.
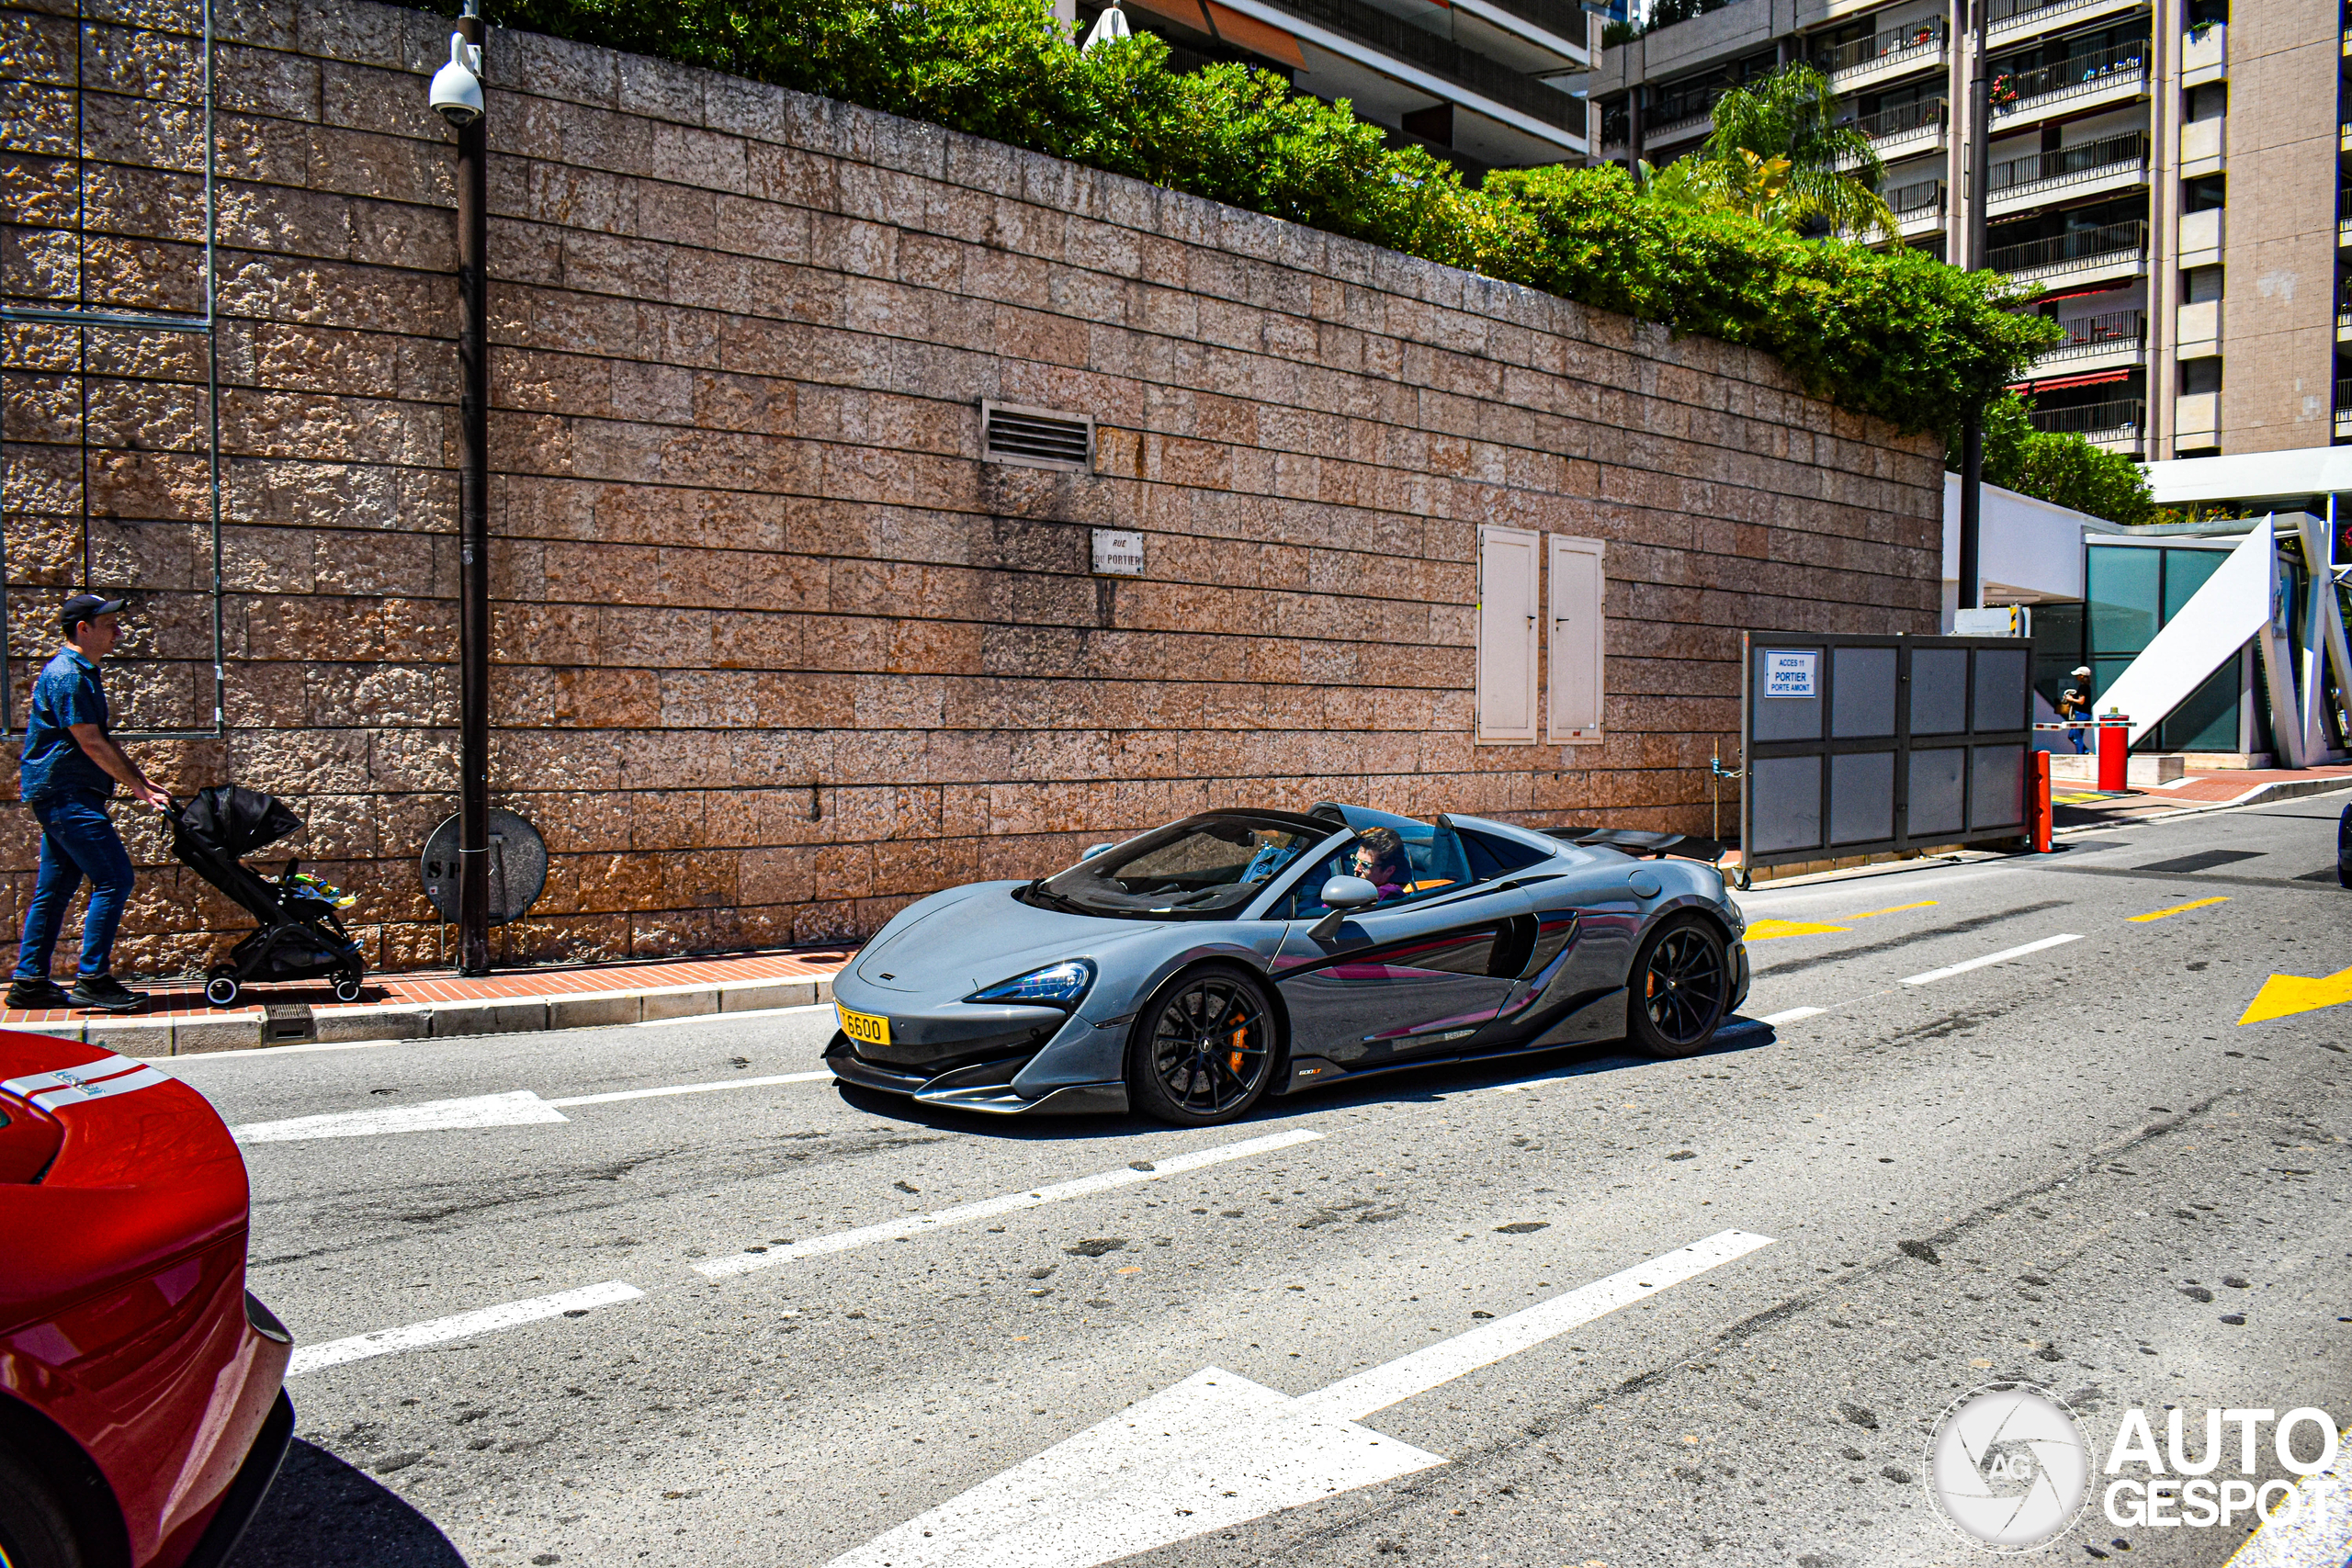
{"points": [[104, 993], [32, 994]]}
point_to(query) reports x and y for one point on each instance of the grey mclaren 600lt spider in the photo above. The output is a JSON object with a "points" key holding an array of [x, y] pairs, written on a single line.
{"points": [[1193, 970]]}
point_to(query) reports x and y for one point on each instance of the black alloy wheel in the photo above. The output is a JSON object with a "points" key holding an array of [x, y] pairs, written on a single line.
{"points": [[1681, 988], [1204, 1050]]}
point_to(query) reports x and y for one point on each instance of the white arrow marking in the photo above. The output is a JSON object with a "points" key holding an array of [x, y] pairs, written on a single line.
{"points": [[482, 1110], [1218, 1450]]}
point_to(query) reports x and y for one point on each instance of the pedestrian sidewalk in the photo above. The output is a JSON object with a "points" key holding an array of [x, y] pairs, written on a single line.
{"points": [[437, 1003], [2196, 792]]}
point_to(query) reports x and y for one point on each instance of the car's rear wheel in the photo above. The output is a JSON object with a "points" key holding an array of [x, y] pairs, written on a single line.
{"points": [[1203, 1049], [34, 1532], [1679, 990]]}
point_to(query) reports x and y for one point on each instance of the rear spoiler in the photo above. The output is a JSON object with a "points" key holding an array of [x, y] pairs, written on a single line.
{"points": [[1632, 842]]}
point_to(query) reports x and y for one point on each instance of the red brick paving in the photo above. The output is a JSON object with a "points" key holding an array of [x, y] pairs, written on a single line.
{"points": [[183, 1001]]}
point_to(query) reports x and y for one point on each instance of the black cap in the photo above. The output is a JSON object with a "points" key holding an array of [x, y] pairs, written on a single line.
{"points": [[86, 607]]}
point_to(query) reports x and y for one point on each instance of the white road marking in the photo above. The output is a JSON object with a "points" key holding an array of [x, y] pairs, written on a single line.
{"points": [[732, 1017], [1353, 1399], [517, 1109], [1218, 1450], [690, 1088], [2002, 957], [987, 1208], [464, 1326], [2319, 1533], [1792, 1016]]}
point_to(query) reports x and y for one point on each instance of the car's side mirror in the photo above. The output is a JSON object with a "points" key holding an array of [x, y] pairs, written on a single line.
{"points": [[1094, 849], [1341, 895]]}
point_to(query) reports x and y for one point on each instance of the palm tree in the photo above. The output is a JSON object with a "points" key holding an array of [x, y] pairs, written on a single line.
{"points": [[1779, 154]]}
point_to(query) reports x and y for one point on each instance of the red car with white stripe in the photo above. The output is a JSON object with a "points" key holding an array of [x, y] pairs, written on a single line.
{"points": [[142, 1412]]}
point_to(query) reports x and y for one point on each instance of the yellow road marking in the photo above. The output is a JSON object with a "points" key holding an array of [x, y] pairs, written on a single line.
{"points": [[1923, 904], [1765, 931], [2282, 995], [2176, 910]]}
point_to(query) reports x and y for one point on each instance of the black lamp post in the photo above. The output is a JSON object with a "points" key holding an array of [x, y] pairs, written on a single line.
{"points": [[1972, 440], [457, 97]]}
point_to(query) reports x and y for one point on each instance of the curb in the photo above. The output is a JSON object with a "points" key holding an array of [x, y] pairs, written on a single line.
{"points": [[251, 1028]]}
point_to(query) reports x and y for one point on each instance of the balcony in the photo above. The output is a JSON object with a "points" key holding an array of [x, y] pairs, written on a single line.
{"points": [[1443, 58], [2111, 163], [2344, 216], [1906, 132], [2108, 342], [2344, 407], [2198, 328], [2201, 147], [2200, 237], [2196, 418], [2116, 251], [2120, 425], [1564, 19], [2010, 19], [2204, 55], [1861, 64], [2344, 323], [1918, 207], [2100, 80]]}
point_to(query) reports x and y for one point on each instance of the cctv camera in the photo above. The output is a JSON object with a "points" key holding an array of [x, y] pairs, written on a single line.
{"points": [[457, 86]]}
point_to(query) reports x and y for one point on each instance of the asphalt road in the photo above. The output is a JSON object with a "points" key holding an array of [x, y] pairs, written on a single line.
{"points": [[2073, 1166]]}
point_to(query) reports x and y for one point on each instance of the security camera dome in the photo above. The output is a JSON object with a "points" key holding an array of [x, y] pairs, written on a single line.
{"points": [[457, 86]]}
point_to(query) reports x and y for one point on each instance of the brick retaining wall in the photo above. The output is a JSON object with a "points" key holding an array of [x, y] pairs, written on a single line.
{"points": [[774, 652]]}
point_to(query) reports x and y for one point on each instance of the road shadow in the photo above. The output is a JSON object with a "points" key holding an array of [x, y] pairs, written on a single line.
{"points": [[1406, 1086], [322, 1513]]}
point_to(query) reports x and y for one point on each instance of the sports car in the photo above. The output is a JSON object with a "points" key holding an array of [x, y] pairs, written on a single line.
{"points": [[141, 1411], [1190, 971]]}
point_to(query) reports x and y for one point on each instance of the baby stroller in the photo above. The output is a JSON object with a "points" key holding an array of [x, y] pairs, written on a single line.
{"points": [[300, 934]]}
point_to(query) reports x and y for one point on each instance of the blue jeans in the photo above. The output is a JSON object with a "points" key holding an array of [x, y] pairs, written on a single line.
{"points": [[77, 839]]}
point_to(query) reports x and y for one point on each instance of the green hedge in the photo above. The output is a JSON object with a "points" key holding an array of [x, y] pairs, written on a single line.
{"points": [[1892, 335]]}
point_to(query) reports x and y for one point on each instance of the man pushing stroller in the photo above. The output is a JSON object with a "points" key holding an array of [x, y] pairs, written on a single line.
{"points": [[70, 769]]}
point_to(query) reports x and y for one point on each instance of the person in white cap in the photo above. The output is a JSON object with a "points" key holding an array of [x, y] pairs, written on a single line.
{"points": [[2076, 704]]}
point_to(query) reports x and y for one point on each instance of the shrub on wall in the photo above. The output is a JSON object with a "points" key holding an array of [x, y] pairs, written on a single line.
{"points": [[1894, 334]]}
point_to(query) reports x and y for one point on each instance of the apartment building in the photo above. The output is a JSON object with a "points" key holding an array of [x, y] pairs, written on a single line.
{"points": [[1484, 84], [2169, 173]]}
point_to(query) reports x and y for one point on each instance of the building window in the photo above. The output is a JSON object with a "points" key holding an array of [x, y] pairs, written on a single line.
{"points": [[2200, 375]]}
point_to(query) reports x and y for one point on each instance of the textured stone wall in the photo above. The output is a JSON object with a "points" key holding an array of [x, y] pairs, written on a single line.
{"points": [[774, 652]]}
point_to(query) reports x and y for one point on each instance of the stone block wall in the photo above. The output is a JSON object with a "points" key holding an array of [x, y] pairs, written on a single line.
{"points": [[774, 650]]}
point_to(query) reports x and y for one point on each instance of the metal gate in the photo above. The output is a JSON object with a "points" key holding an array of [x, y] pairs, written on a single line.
{"points": [[1862, 745]]}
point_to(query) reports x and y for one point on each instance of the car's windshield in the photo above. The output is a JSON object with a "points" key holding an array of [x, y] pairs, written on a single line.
{"points": [[1200, 868]]}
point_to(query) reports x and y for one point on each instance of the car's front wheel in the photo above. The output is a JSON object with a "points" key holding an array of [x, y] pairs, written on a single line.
{"points": [[1203, 1049], [1680, 989], [34, 1532]]}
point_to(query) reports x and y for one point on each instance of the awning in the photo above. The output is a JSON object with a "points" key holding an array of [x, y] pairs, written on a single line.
{"points": [[2100, 379], [1257, 37]]}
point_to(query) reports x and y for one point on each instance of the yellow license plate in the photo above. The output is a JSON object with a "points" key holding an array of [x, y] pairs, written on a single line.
{"points": [[864, 1026]]}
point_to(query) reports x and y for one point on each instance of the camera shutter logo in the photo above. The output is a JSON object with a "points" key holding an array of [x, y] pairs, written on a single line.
{"points": [[2008, 1467]]}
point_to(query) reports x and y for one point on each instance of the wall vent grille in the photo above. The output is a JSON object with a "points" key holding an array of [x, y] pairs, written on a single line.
{"points": [[1037, 438]]}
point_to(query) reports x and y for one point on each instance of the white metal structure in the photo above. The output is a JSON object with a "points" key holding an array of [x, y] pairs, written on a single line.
{"points": [[2248, 600]]}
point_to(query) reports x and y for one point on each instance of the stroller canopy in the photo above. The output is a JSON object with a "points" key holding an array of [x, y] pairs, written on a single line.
{"points": [[233, 820]]}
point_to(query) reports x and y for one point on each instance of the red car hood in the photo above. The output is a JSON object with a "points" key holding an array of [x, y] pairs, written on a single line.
{"points": [[108, 1169]]}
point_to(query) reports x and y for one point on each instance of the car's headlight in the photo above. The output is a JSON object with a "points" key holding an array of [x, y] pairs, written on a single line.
{"points": [[1056, 985]]}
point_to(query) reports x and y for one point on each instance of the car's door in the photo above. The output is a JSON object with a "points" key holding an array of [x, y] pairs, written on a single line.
{"points": [[1402, 980]]}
